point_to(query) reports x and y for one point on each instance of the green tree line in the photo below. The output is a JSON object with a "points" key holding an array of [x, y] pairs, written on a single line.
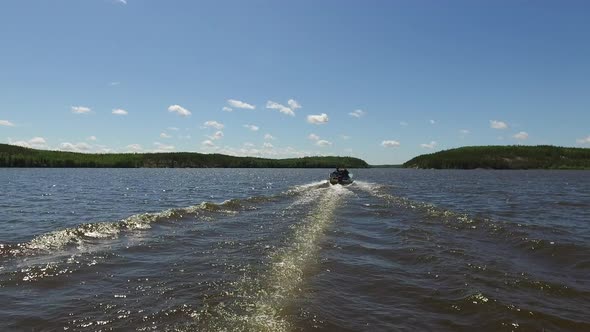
{"points": [[16, 156], [505, 157]]}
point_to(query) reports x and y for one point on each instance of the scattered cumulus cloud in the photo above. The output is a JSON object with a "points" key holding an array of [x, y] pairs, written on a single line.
{"points": [[161, 147], [323, 143], [281, 108], [432, 122], [34, 143], [268, 145], [268, 137], [357, 113], [92, 138], [80, 109], [293, 104], [217, 135], [498, 124], [208, 143], [317, 119], [521, 135], [214, 124], [345, 137], [430, 145], [390, 144], [464, 132], [313, 137], [6, 123], [251, 127], [134, 148], [164, 135], [124, 2], [75, 147], [179, 110], [227, 109], [240, 104], [249, 145], [119, 111], [114, 83], [584, 140]]}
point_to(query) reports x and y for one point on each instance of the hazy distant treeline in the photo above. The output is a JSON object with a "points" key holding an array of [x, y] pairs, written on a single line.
{"points": [[505, 157], [16, 156]]}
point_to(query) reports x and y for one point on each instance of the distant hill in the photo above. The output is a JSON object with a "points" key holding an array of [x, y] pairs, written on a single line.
{"points": [[16, 156], [505, 157]]}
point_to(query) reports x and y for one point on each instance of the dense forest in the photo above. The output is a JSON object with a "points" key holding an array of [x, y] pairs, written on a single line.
{"points": [[16, 156], [505, 157]]}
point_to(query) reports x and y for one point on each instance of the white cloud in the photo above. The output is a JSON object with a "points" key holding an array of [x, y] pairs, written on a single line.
{"points": [[119, 111], [317, 119], [74, 147], [293, 104], [208, 143], [323, 143], [6, 123], [217, 135], [80, 109], [251, 127], [430, 145], [179, 110], [249, 145], [227, 109], [390, 144], [134, 148], [403, 123], [240, 104], [313, 137], [37, 141], [345, 137], [432, 122], [214, 124], [92, 138], [281, 108], [521, 135], [464, 131], [357, 113], [122, 1], [161, 147], [268, 137], [34, 143], [114, 83], [584, 140], [498, 124], [268, 145], [173, 128], [164, 135]]}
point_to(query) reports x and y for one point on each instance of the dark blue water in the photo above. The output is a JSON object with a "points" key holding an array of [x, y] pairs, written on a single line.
{"points": [[282, 250]]}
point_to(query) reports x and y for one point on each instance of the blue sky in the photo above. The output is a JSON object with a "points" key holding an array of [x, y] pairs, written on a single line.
{"points": [[379, 80]]}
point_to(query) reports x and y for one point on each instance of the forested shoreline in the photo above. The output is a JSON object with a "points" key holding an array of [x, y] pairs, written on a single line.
{"points": [[505, 157], [16, 156]]}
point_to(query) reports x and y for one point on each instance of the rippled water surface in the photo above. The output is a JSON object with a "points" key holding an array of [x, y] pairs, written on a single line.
{"points": [[283, 250]]}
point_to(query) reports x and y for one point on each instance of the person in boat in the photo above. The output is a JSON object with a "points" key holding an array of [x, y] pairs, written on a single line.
{"points": [[341, 173], [344, 173]]}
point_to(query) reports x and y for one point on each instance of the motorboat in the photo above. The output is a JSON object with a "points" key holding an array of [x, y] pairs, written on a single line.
{"points": [[340, 176]]}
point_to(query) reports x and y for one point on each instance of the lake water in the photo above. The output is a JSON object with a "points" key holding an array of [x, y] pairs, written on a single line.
{"points": [[282, 250]]}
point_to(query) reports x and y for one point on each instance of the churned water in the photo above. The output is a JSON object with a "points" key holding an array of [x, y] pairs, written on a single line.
{"points": [[283, 250]]}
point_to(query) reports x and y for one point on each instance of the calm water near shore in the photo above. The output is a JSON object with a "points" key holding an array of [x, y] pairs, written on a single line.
{"points": [[282, 250]]}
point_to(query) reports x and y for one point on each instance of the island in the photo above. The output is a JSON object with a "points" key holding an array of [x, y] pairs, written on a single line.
{"points": [[17, 156], [505, 157]]}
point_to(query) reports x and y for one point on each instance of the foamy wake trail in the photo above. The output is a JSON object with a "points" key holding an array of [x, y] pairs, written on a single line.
{"points": [[261, 307], [431, 210], [59, 239], [62, 238]]}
